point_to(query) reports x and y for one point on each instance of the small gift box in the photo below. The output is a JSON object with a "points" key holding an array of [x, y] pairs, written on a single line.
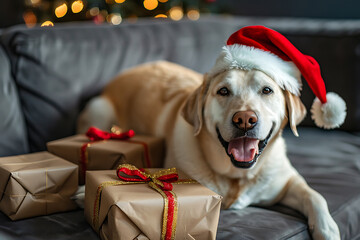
{"points": [[100, 150], [36, 184], [149, 205]]}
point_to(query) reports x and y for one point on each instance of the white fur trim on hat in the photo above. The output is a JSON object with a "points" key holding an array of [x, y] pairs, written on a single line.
{"points": [[237, 56], [330, 114]]}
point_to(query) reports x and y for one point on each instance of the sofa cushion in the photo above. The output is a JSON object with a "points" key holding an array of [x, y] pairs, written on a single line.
{"points": [[13, 138]]}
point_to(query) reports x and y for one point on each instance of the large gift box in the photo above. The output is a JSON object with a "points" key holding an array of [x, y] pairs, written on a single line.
{"points": [[36, 184], [143, 206], [104, 153]]}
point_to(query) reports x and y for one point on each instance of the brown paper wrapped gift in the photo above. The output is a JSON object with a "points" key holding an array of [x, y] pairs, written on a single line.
{"points": [[136, 211], [108, 154], [36, 184]]}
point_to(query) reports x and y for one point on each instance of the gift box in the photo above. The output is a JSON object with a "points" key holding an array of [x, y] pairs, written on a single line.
{"points": [[36, 184], [146, 208], [105, 154]]}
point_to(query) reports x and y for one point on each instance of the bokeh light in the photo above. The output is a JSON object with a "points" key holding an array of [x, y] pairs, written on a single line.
{"points": [[176, 13], [35, 2], [30, 18], [160, 16], [151, 4], [109, 11], [114, 18], [61, 10], [94, 11], [193, 14], [47, 24], [77, 6]]}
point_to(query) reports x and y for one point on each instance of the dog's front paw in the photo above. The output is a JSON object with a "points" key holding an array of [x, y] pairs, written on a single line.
{"points": [[240, 203], [324, 229]]}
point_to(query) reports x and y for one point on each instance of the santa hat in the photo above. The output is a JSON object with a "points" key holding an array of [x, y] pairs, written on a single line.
{"points": [[258, 47]]}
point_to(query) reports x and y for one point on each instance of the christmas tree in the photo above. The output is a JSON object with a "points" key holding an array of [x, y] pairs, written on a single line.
{"points": [[49, 12]]}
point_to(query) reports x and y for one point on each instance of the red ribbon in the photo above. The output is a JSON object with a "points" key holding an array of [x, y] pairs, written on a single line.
{"points": [[95, 134], [161, 182], [137, 175]]}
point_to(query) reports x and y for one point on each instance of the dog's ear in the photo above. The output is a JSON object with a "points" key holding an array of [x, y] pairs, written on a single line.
{"points": [[296, 110], [192, 110]]}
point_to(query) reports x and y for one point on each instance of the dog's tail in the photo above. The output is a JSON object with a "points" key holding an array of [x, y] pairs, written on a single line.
{"points": [[99, 112]]}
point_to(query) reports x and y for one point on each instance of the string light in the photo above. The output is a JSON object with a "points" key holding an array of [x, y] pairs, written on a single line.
{"points": [[176, 13], [150, 4], [160, 16], [77, 6], [61, 10], [193, 14], [43, 8], [47, 24]]}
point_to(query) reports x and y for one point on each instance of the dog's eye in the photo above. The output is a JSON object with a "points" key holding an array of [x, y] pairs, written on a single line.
{"points": [[223, 91], [267, 90]]}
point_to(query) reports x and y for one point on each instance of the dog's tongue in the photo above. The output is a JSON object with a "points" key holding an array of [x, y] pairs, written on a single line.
{"points": [[243, 149]]}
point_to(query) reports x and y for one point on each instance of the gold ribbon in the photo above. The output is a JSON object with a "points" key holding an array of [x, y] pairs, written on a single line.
{"points": [[157, 181]]}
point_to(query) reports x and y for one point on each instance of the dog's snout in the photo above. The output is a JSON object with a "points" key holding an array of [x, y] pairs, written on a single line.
{"points": [[245, 120]]}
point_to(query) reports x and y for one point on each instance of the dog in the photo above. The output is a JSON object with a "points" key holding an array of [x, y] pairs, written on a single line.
{"points": [[223, 130]]}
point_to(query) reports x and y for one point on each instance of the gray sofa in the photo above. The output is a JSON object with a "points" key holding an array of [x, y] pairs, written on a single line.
{"points": [[48, 74]]}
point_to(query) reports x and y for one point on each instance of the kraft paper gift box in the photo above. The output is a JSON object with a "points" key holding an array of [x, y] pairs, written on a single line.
{"points": [[36, 184], [141, 151], [136, 211]]}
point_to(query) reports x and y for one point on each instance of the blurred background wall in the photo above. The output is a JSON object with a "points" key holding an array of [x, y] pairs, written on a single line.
{"points": [[34, 12], [335, 9]]}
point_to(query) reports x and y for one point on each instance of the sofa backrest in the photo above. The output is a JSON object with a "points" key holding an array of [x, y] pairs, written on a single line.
{"points": [[56, 70], [13, 132]]}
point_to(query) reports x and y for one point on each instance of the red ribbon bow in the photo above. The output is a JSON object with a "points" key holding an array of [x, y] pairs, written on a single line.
{"points": [[95, 134], [161, 182], [162, 179]]}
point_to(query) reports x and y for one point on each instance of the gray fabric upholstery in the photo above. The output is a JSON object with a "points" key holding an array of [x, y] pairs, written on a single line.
{"points": [[13, 138], [69, 225]]}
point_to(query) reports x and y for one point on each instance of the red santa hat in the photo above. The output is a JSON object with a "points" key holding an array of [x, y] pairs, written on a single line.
{"points": [[261, 48]]}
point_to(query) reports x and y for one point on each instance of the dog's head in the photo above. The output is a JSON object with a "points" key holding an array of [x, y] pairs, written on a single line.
{"points": [[243, 110]]}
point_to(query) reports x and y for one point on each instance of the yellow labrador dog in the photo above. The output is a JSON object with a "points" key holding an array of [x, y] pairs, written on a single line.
{"points": [[223, 130]]}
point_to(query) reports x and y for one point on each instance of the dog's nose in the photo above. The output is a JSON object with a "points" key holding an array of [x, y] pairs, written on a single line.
{"points": [[245, 120]]}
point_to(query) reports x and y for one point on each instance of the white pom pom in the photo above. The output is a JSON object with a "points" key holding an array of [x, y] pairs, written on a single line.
{"points": [[331, 114]]}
